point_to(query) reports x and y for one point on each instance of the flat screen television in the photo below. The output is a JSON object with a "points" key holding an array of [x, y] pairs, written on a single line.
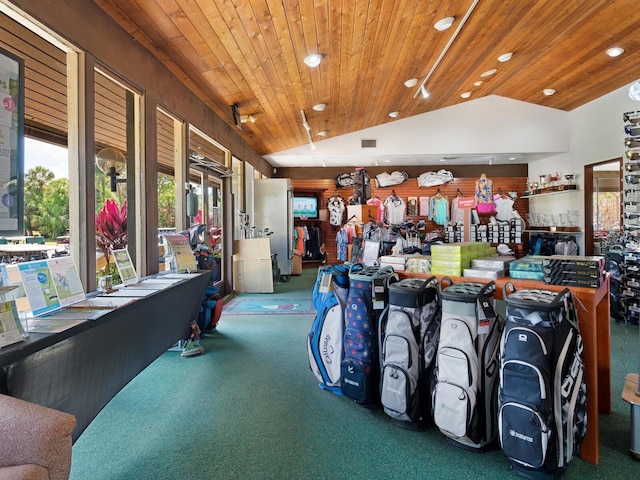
{"points": [[305, 208]]}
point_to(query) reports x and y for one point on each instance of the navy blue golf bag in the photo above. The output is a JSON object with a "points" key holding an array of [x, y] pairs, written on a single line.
{"points": [[366, 300], [542, 414]]}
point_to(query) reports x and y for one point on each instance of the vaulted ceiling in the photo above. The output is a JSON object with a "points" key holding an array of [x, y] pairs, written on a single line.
{"points": [[250, 53]]}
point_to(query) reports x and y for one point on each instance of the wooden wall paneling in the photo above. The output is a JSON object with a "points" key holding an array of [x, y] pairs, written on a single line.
{"points": [[325, 188]]}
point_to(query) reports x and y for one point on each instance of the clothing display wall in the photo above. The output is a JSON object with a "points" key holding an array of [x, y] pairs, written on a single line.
{"points": [[324, 189]]}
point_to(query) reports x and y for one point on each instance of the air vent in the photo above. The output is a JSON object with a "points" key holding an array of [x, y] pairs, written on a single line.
{"points": [[369, 143]]}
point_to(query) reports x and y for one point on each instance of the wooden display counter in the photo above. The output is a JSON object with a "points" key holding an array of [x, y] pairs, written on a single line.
{"points": [[592, 306]]}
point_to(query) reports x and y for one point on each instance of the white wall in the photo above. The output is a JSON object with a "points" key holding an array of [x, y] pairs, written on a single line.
{"points": [[487, 125], [596, 135]]}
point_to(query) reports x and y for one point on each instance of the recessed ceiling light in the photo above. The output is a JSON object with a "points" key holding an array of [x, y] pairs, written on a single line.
{"points": [[465, 94], [319, 107], [548, 91], [505, 57], [394, 114], [478, 83], [513, 158], [489, 72], [313, 59], [412, 82], [443, 24], [615, 51], [424, 92], [323, 133], [443, 159]]}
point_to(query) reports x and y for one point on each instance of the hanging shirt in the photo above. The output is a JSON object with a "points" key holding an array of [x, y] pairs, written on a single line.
{"points": [[342, 241], [424, 206], [457, 213], [394, 209], [336, 206], [441, 211], [504, 208], [376, 202]]}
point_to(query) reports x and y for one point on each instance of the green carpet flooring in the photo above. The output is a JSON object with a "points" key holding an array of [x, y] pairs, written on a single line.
{"points": [[249, 408]]}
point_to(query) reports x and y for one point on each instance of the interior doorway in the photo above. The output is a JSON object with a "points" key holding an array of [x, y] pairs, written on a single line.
{"points": [[602, 204]]}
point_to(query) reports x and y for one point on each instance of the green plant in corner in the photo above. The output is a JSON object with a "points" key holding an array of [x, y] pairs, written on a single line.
{"points": [[111, 233]]}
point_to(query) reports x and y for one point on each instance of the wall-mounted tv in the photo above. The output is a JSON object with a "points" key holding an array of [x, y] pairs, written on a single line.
{"points": [[305, 208]]}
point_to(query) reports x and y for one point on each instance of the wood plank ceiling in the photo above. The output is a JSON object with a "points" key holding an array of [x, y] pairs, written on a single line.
{"points": [[250, 53]]}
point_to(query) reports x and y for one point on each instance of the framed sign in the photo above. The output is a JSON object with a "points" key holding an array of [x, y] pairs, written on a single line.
{"points": [[11, 143]]}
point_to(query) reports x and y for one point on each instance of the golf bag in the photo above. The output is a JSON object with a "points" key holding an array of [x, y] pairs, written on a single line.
{"points": [[465, 392], [360, 367], [324, 342], [542, 415], [408, 335], [210, 310]]}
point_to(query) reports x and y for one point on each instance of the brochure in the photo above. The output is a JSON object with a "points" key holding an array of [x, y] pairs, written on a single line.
{"points": [[125, 266], [45, 325], [40, 287], [130, 292], [180, 250], [106, 302], [66, 280], [10, 327]]}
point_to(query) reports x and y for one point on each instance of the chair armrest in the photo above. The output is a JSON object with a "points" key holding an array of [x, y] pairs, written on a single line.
{"points": [[33, 434]]}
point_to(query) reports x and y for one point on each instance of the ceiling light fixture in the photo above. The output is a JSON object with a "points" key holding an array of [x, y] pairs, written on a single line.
{"points": [[412, 82], [444, 23], [634, 91], [447, 46], [313, 60], [465, 94], [394, 114], [248, 118], [322, 134], [478, 83], [615, 51], [488, 73], [505, 57], [424, 92], [548, 91], [319, 107]]}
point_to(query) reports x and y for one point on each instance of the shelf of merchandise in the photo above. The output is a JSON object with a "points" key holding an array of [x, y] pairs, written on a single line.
{"points": [[557, 192], [629, 291], [557, 232]]}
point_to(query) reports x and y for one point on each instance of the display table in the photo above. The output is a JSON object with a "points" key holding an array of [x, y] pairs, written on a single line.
{"points": [[80, 369], [592, 306]]}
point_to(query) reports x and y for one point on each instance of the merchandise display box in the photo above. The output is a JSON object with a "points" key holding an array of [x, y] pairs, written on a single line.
{"points": [[421, 264], [483, 273], [527, 268], [296, 268], [253, 276], [492, 263], [251, 249]]}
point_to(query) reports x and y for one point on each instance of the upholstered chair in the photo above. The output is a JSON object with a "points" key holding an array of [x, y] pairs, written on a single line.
{"points": [[35, 441]]}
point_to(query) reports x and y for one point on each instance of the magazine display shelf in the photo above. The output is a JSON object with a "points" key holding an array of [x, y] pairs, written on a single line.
{"points": [[80, 369]]}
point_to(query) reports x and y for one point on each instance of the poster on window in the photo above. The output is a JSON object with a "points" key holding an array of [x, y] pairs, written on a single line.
{"points": [[11, 142]]}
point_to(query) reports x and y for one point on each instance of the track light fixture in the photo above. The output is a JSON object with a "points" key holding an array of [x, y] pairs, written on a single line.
{"points": [[307, 127], [236, 116]]}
